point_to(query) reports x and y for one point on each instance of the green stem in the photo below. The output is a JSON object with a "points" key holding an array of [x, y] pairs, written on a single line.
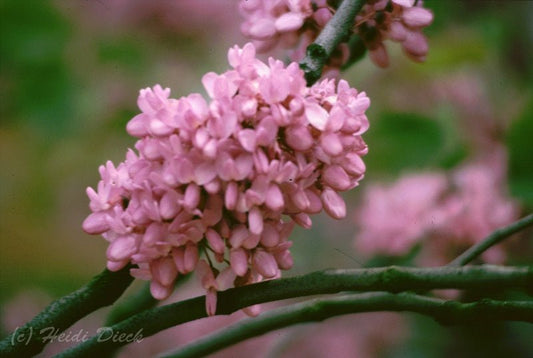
{"points": [[393, 279], [448, 312], [101, 291], [491, 240], [337, 30]]}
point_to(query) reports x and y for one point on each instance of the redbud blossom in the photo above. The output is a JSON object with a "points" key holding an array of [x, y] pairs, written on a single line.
{"points": [[222, 183], [297, 23], [445, 214]]}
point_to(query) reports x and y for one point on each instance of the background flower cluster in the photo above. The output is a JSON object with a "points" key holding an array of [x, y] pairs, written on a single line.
{"points": [[297, 23]]}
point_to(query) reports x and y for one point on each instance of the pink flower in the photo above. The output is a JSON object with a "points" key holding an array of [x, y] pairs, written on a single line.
{"points": [[478, 206], [222, 183], [365, 335], [443, 214], [398, 20], [296, 24], [271, 22], [393, 219]]}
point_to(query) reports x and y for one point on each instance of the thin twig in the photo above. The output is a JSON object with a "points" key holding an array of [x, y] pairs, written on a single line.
{"points": [[491, 240]]}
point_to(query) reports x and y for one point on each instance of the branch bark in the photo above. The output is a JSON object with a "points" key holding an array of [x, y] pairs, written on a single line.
{"points": [[337, 30], [101, 291], [448, 312], [392, 279]]}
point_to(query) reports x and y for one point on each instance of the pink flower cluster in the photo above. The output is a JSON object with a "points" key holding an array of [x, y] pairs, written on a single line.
{"points": [[393, 219], [228, 179], [269, 23], [398, 20], [443, 214], [297, 23]]}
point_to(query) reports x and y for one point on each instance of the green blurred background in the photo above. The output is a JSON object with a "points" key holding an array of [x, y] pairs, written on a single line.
{"points": [[70, 72]]}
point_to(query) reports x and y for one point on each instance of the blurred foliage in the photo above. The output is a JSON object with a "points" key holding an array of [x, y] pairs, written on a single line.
{"points": [[519, 141], [36, 83], [122, 52], [403, 141]]}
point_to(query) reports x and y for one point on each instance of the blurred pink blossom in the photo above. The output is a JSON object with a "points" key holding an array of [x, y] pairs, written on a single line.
{"points": [[21, 308], [227, 180], [296, 24], [477, 206], [365, 335], [159, 15], [445, 215], [483, 119], [397, 20], [393, 219]]}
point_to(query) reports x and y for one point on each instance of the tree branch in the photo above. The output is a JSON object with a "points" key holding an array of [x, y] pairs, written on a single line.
{"points": [[449, 312], [393, 279], [491, 240], [320, 309], [337, 30], [101, 291]]}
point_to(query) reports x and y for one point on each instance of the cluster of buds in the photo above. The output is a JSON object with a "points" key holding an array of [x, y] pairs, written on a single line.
{"points": [[281, 22], [398, 20], [297, 23], [218, 186]]}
